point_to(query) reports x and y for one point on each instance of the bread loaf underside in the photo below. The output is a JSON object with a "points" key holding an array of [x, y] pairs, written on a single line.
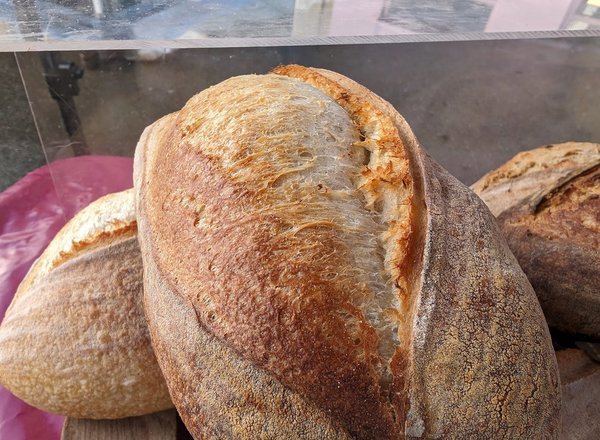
{"points": [[311, 273]]}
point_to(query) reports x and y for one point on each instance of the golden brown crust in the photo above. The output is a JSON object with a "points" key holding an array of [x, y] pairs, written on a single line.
{"points": [[297, 244], [484, 339], [553, 228], [228, 396], [216, 244], [80, 317], [109, 218], [572, 209], [531, 174], [481, 363]]}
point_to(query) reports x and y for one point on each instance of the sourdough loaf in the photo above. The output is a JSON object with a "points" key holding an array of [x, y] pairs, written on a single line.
{"points": [[547, 201], [74, 340], [311, 273]]}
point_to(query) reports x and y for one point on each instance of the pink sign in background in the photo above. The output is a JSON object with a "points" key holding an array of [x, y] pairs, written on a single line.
{"points": [[32, 211]]}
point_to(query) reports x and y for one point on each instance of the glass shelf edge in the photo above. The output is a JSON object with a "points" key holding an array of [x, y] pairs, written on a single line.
{"points": [[39, 46]]}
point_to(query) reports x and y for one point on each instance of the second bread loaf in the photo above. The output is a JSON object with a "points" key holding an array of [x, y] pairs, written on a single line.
{"points": [[74, 340]]}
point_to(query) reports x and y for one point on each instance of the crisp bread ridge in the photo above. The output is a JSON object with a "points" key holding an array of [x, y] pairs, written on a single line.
{"points": [[532, 174], [108, 219]]}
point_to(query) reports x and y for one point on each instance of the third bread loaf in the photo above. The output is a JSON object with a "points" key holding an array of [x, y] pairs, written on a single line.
{"points": [[547, 201]]}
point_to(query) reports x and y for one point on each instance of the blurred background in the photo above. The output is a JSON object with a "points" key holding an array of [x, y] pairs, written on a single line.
{"points": [[194, 19], [473, 97]]}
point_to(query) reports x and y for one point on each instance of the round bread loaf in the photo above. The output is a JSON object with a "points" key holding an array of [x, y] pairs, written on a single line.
{"points": [[311, 273], [547, 202], [74, 340]]}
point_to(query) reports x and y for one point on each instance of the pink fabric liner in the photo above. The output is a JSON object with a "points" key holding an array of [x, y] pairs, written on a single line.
{"points": [[32, 211]]}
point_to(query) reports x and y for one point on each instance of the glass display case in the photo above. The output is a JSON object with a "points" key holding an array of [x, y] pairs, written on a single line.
{"points": [[477, 80]]}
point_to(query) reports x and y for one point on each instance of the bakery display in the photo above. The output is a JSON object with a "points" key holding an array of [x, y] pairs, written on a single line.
{"points": [[74, 340], [547, 202], [309, 272]]}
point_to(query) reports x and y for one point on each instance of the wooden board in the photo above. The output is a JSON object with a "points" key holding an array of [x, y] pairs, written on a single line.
{"points": [[580, 380], [157, 426]]}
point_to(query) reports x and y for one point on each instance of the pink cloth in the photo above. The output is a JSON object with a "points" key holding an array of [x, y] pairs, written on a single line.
{"points": [[32, 211]]}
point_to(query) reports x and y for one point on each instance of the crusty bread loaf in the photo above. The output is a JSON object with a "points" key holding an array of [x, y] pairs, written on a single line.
{"points": [[74, 340], [580, 379], [547, 202], [311, 273]]}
